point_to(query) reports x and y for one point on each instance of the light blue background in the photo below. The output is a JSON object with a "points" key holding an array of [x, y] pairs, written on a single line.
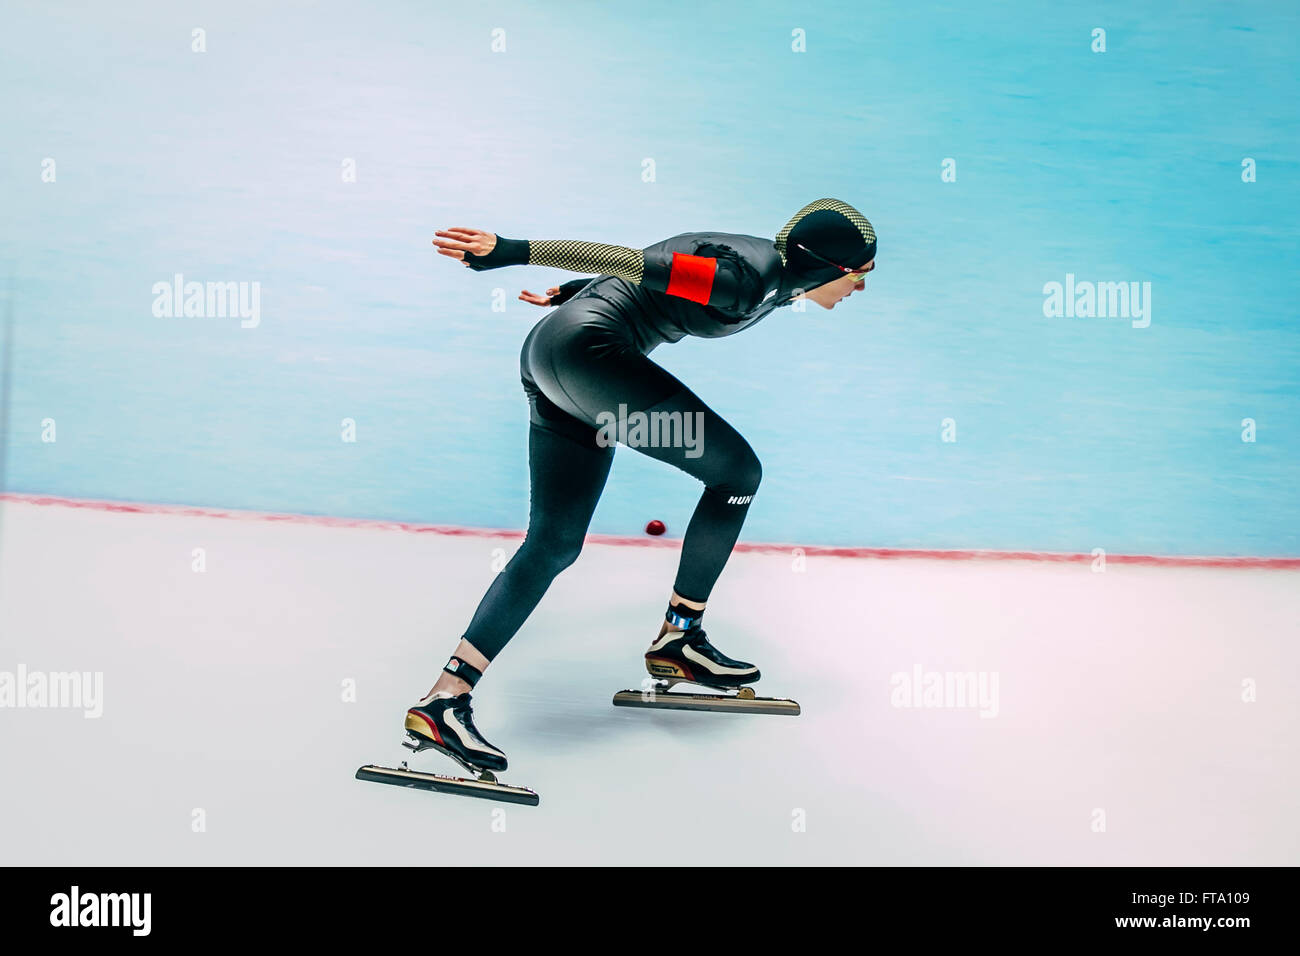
{"points": [[1072, 433]]}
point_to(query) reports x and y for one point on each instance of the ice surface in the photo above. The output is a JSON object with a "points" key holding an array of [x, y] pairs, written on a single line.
{"points": [[1118, 691]]}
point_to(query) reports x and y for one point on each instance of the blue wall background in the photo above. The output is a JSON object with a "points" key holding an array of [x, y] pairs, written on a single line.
{"points": [[1071, 433]]}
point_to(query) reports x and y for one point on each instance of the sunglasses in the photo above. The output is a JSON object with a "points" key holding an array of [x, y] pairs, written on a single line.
{"points": [[855, 274]]}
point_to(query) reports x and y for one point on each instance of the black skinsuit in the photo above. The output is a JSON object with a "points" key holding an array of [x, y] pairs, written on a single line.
{"points": [[590, 356]]}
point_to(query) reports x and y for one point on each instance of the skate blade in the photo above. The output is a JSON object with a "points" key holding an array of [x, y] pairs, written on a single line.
{"points": [[743, 702], [485, 788]]}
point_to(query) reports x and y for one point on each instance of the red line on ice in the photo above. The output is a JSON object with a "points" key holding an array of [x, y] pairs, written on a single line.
{"points": [[811, 550]]}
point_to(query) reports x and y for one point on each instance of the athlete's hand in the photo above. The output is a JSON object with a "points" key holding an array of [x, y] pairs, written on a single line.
{"points": [[458, 240], [542, 300]]}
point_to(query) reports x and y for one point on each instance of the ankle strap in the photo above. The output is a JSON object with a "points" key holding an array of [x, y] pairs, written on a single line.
{"points": [[466, 672], [680, 615]]}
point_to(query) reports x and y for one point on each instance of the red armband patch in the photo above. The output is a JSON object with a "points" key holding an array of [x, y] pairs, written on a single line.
{"points": [[691, 277]]}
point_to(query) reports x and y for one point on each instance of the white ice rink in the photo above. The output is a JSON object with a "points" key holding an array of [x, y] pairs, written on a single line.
{"points": [[1119, 693]]}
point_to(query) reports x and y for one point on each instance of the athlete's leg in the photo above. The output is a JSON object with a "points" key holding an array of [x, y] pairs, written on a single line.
{"points": [[721, 458], [567, 471], [592, 377]]}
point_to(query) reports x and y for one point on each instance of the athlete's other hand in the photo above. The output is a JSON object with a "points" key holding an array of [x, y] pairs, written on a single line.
{"points": [[542, 300], [458, 240]]}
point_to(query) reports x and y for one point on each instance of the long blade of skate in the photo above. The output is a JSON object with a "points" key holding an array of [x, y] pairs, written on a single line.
{"points": [[484, 789], [724, 703]]}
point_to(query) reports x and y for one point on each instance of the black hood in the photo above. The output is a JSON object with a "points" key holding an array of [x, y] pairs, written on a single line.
{"points": [[833, 230]]}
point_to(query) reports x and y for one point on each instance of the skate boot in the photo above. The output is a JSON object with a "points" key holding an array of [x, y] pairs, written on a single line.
{"points": [[688, 656], [446, 724]]}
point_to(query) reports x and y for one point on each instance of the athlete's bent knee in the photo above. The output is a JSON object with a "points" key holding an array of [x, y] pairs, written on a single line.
{"points": [[741, 477], [564, 557], [551, 554], [749, 473]]}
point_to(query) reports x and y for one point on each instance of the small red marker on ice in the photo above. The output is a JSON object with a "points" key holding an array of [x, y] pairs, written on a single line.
{"points": [[655, 527]]}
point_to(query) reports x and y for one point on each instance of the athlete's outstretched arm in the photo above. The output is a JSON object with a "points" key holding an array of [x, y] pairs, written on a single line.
{"points": [[719, 282]]}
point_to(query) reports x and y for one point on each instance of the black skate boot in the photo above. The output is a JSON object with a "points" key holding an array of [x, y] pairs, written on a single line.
{"points": [[688, 656], [446, 724]]}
